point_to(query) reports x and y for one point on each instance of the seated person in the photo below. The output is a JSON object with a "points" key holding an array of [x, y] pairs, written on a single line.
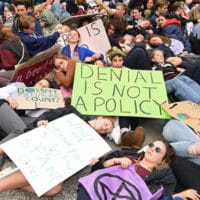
{"points": [[35, 44], [48, 20], [24, 8]]}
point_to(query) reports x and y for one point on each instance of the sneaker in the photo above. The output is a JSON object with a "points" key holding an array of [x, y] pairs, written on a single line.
{"points": [[133, 140]]}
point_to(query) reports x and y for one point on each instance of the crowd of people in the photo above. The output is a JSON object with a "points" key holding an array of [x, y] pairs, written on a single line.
{"points": [[144, 35]]}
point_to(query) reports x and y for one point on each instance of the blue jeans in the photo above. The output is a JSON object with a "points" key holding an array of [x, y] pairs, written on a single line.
{"points": [[184, 88], [181, 137]]}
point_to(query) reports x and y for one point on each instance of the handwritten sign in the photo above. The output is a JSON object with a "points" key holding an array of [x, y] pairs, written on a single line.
{"points": [[190, 115], [36, 68], [94, 37], [33, 98], [119, 92], [49, 155]]}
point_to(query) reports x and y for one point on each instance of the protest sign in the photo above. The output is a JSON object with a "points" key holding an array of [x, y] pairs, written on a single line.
{"points": [[49, 155], [35, 68], [119, 92], [33, 98], [186, 112], [94, 37]]}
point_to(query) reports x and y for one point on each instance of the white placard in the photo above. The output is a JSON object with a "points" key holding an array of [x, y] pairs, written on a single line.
{"points": [[94, 37], [49, 155]]}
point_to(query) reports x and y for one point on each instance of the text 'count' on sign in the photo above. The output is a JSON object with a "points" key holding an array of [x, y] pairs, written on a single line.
{"points": [[119, 92], [33, 98]]}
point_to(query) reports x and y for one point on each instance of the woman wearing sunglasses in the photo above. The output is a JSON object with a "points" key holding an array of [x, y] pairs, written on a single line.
{"points": [[130, 175]]}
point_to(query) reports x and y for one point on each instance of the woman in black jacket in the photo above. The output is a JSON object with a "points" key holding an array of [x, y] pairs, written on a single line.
{"points": [[153, 167]]}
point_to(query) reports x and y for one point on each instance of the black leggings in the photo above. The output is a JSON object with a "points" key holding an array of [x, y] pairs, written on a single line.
{"points": [[187, 173], [126, 122]]}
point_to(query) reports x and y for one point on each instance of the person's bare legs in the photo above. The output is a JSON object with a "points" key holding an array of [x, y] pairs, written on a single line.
{"points": [[1, 152], [13, 181], [55, 190], [17, 180]]}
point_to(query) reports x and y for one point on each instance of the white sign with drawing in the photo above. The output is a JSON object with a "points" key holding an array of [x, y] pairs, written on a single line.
{"points": [[49, 155]]}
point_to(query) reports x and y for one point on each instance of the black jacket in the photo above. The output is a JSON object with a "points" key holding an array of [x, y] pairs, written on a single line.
{"points": [[137, 58]]}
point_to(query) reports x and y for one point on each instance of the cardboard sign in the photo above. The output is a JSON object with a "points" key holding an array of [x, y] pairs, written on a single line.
{"points": [[33, 98], [36, 68], [94, 37], [186, 112], [119, 92], [49, 155]]}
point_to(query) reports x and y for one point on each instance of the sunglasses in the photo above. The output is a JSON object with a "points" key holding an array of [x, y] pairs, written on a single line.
{"points": [[157, 149]]}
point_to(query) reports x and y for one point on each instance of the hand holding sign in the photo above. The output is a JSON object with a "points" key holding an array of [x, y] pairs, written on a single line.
{"points": [[12, 102]]}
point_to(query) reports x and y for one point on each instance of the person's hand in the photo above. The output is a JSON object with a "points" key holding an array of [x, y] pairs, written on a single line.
{"points": [[13, 104], [139, 38], [8, 14], [184, 53], [93, 161], [198, 133], [57, 70], [88, 59], [99, 2], [42, 24], [190, 193], [124, 162], [59, 28], [96, 56], [126, 47], [42, 123]]}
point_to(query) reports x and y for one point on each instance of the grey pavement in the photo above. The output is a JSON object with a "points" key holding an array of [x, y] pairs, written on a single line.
{"points": [[153, 128]]}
